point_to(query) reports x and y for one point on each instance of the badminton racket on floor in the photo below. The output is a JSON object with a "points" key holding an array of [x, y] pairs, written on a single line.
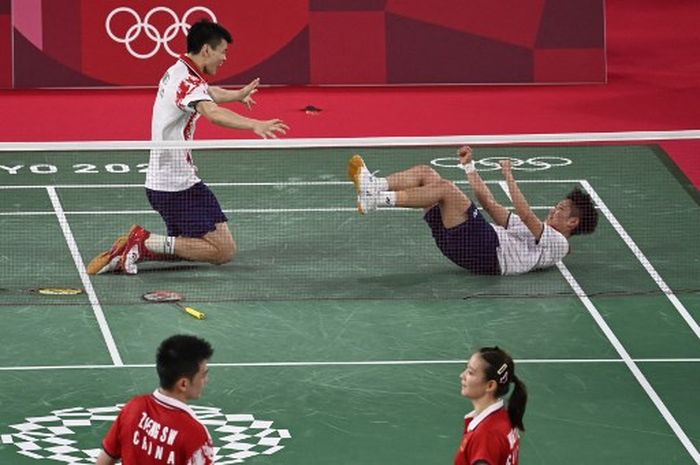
{"points": [[56, 291], [176, 299]]}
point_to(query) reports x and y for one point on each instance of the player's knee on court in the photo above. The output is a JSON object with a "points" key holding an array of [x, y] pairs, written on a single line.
{"points": [[225, 254]]}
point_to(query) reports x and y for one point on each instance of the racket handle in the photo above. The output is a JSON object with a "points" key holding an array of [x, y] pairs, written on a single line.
{"points": [[194, 313]]}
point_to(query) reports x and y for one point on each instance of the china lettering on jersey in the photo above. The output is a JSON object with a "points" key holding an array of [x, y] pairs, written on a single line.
{"points": [[155, 440], [159, 430], [514, 443]]}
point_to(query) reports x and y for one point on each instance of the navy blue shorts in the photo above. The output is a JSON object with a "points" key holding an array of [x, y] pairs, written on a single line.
{"points": [[471, 245], [190, 213]]}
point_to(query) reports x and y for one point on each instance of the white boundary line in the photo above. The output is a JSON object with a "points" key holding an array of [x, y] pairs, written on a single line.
{"points": [[75, 253], [631, 365], [231, 210], [261, 184], [355, 363], [634, 136], [619, 348], [643, 259]]}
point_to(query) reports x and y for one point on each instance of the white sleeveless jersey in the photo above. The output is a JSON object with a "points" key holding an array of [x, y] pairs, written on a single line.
{"points": [[174, 118], [519, 252]]}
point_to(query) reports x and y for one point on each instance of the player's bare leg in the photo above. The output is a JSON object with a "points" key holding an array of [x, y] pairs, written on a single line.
{"points": [[417, 187], [413, 177], [452, 201], [216, 247]]}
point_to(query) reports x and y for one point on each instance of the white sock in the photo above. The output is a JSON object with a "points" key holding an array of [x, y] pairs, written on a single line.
{"points": [[382, 184], [164, 245], [387, 199]]}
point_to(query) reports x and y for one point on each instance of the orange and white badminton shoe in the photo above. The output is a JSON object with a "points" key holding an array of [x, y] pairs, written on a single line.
{"points": [[366, 184], [110, 260]]}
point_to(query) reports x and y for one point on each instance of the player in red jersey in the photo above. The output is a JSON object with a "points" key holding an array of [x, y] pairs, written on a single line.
{"points": [[491, 429], [159, 428]]}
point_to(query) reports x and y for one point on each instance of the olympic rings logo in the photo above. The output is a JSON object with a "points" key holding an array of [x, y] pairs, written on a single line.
{"points": [[160, 39], [494, 163]]}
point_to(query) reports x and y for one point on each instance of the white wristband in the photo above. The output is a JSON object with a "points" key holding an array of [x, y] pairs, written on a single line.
{"points": [[469, 167]]}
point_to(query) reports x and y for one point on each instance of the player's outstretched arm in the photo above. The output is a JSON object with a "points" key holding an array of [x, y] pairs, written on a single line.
{"points": [[224, 117], [483, 194], [522, 208], [243, 95]]}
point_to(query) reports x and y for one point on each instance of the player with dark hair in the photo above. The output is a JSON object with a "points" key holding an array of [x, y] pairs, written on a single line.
{"points": [[206, 32], [491, 430], [160, 428], [516, 243], [197, 228]]}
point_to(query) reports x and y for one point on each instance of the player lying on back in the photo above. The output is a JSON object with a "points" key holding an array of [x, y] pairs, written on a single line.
{"points": [[517, 243]]}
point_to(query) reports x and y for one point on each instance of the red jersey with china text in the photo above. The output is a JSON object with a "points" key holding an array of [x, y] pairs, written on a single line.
{"points": [[489, 437], [158, 430]]}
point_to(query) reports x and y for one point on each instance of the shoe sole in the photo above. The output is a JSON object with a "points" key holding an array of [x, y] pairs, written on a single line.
{"points": [[354, 170], [103, 259]]}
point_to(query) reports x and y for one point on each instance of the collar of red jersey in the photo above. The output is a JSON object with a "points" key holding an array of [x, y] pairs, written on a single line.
{"points": [[482, 416], [172, 402], [192, 66]]}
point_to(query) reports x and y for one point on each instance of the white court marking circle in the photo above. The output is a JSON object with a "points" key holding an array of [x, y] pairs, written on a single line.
{"points": [[518, 164], [236, 437]]}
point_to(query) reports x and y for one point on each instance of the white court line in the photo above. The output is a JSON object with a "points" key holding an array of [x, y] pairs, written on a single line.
{"points": [[27, 213], [357, 363], [631, 365], [232, 210], [643, 259], [87, 284], [261, 184], [454, 140]]}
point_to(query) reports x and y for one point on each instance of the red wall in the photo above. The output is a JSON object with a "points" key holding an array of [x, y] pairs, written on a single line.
{"points": [[67, 43], [5, 45]]}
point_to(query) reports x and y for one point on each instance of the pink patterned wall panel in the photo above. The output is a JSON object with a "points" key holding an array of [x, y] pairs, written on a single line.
{"points": [[75, 43]]}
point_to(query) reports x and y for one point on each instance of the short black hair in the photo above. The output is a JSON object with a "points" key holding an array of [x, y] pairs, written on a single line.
{"points": [[180, 356], [582, 207], [205, 32]]}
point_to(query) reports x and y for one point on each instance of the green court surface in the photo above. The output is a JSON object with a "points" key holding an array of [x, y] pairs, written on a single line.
{"points": [[339, 338]]}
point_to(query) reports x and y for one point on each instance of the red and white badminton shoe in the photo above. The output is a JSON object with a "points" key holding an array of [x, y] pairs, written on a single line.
{"points": [[109, 260], [135, 250]]}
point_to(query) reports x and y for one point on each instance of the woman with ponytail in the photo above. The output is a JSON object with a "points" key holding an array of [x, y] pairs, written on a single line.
{"points": [[491, 429]]}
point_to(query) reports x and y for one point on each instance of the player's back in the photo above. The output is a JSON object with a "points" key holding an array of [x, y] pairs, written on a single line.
{"points": [[157, 429], [491, 438], [499, 427]]}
